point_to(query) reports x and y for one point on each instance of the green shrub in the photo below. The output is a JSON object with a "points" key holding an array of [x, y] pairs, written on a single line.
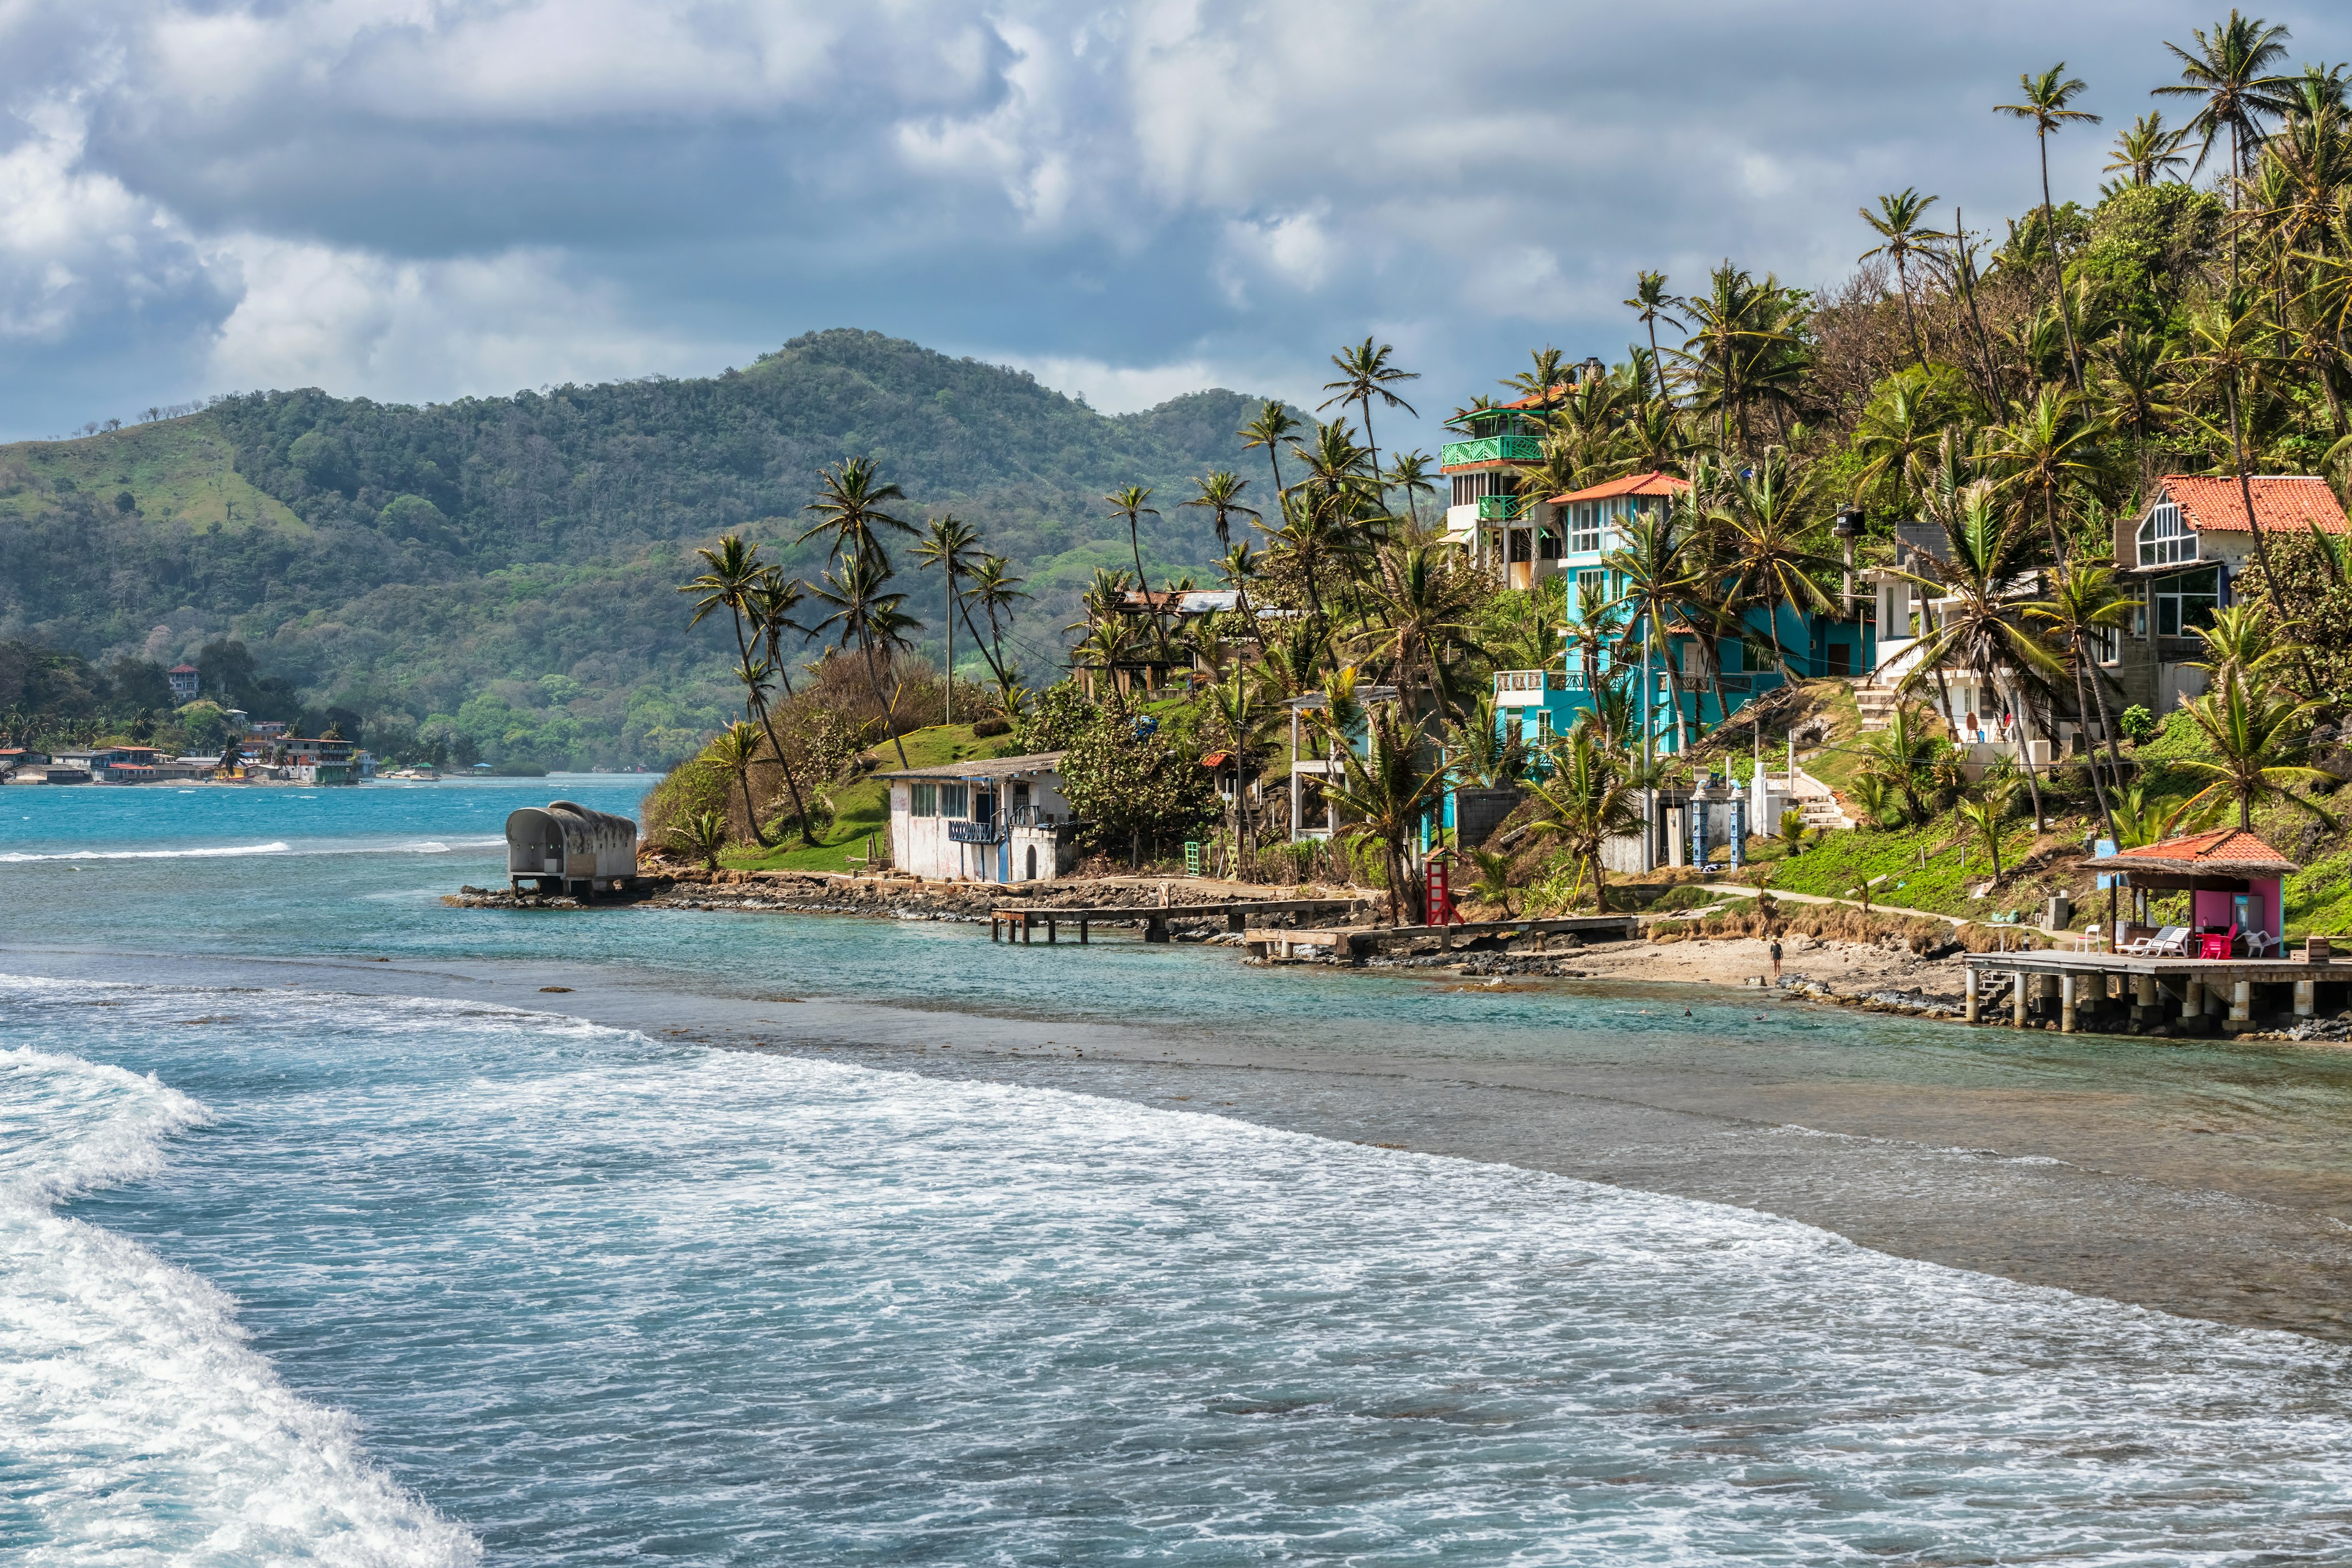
{"points": [[2138, 724]]}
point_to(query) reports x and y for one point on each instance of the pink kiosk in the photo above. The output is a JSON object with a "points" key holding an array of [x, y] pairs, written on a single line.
{"points": [[2232, 878]]}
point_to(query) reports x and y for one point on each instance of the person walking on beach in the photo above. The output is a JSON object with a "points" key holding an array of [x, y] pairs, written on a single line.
{"points": [[1776, 961]]}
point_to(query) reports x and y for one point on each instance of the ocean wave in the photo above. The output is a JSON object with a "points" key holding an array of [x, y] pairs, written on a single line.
{"points": [[141, 1428], [275, 847]]}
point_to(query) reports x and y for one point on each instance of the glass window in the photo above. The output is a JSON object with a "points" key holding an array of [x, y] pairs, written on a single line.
{"points": [[926, 802], [2187, 602], [955, 800], [2164, 538], [1584, 528]]}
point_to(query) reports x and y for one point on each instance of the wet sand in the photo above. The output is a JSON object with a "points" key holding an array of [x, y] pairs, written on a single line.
{"points": [[2200, 1179]]}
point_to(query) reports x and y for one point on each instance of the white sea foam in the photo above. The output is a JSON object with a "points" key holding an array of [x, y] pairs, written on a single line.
{"points": [[140, 1427], [277, 846]]}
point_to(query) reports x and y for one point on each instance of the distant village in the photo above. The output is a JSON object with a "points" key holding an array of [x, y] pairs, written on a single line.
{"points": [[258, 752]]}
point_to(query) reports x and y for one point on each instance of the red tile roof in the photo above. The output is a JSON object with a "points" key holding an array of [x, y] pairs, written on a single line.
{"points": [[184, 669], [1651, 484], [2291, 503], [2233, 847]]}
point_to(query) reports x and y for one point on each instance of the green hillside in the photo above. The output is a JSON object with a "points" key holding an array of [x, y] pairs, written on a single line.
{"points": [[503, 567]]}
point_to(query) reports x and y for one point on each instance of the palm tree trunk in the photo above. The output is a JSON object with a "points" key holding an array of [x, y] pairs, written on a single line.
{"points": [[2057, 267], [874, 679], [1657, 364], [759, 710], [1918, 345], [949, 698], [2025, 751], [2262, 541]]}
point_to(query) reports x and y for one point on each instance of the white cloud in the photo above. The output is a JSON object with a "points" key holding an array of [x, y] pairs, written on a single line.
{"points": [[1120, 389]]}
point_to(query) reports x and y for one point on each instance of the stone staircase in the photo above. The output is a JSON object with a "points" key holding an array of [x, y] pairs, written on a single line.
{"points": [[1817, 802], [1874, 699]]}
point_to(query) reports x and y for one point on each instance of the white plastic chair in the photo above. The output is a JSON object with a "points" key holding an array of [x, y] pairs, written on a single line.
{"points": [[2165, 942]]}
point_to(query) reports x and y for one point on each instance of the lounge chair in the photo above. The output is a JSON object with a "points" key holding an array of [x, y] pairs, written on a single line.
{"points": [[2263, 944], [2163, 943]]}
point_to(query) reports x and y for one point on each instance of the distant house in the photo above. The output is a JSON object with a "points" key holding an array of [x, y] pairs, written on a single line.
{"points": [[998, 820], [186, 683], [2179, 557], [319, 761]]}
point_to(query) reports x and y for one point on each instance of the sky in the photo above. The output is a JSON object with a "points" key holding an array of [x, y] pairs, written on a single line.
{"points": [[414, 200]]}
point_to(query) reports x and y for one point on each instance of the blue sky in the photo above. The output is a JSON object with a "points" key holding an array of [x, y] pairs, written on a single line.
{"points": [[421, 199]]}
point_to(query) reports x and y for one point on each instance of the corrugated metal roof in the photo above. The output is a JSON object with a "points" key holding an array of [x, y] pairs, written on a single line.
{"points": [[983, 768]]}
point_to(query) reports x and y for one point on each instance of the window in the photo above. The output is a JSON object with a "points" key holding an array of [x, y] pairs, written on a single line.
{"points": [[2164, 538], [1471, 489], [2139, 621], [2110, 643], [925, 801], [1547, 541], [955, 800], [1584, 528], [2187, 602]]}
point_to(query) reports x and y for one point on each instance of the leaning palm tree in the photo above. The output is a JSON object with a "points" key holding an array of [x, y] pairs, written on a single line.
{"points": [[772, 605], [2087, 609], [1366, 373], [1220, 492], [996, 590], [1424, 613], [866, 613], [1587, 798], [1661, 574], [759, 603], [950, 545], [1897, 224], [2259, 742], [2046, 98], [1385, 788]]}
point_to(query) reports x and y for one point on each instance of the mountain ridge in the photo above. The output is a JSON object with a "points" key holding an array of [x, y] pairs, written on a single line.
{"points": [[506, 566]]}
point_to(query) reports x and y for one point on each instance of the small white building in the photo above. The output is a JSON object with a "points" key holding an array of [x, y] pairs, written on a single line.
{"points": [[1002, 819]]}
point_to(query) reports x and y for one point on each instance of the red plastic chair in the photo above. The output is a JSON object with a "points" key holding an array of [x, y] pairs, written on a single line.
{"points": [[2217, 944]]}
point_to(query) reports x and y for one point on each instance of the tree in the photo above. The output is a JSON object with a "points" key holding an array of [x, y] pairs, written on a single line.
{"points": [[2230, 76], [851, 497], [996, 590], [736, 748], [2147, 152], [1270, 429], [866, 613], [1133, 504], [1897, 224], [1366, 373], [1409, 472], [950, 545], [753, 597], [1747, 346], [1660, 574], [1587, 799], [1220, 492], [1984, 816], [2087, 606], [2046, 98], [702, 835], [1385, 788], [1650, 304], [1769, 512], [2259, 742]]}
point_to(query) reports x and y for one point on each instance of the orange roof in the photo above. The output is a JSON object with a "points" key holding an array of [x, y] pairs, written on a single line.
{"points": [[2230, 846], [1650, 484], [2293, 503], [1558, 394]]}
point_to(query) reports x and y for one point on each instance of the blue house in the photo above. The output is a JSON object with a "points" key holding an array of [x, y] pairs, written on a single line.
{"points": [[1534, 705]]}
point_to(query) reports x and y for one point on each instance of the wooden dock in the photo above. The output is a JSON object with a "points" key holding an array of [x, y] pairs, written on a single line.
{"points": [[1018, 924], [1276, 941], [2199, 996]]}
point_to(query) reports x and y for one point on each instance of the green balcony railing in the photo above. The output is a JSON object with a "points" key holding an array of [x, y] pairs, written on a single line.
{"points": [[1492, 449], [1499, 509]]}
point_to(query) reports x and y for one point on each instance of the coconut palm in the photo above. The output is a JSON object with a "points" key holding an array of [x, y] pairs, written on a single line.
{"points": [[1541, 383], [1769, 512], [1366, 373], [2232, 347], [867, 613], [737, 747], [2241, 641], [758, 602], [2149, 150], [1270, 429], [1220, 492], [1897, 224], [850, 505], [772, 603], [1984, 816], [2051, 448], [2046, 99], [1746, 346], [950, 545], [2258, 742], [2231, 77], [1650, 304], [1899, 755], [1423, 616], [2088, 608], [1385, 787], [1588, 799], [702, 835], [1660, 573], [1132, 503], [1409, 472]]}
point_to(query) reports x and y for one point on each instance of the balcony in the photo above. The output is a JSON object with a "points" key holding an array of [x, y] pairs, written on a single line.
{"points": [[1501, 509], [1492, 449], [961, 831]]}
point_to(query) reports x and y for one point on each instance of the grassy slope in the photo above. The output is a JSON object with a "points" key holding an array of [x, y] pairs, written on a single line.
{"points": [[864, 807], [177, 470]]}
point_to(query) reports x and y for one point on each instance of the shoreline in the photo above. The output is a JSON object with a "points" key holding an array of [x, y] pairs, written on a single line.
{"points": [[2068, 1189]]}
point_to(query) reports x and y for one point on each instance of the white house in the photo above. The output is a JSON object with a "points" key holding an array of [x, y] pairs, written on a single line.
{"points": [[1001, 820]]}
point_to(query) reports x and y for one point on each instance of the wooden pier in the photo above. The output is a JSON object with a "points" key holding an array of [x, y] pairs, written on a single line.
{"points": [[2196, 995], [1276, 941], [1019, 924]]}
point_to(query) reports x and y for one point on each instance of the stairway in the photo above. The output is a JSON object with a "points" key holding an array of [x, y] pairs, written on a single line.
{"points": [[1875, 700]]}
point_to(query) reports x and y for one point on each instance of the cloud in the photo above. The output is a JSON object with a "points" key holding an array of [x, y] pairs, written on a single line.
{"points": [[423, 198]]}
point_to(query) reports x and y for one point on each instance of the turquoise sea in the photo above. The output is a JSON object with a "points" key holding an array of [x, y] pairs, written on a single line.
{"points": [[292, 1274]]}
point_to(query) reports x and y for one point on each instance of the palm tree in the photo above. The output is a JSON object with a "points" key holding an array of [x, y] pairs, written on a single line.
{"points": [[772, 603], [737, 748], [703, 836], [1899, 429], [1897, 225], [872, 617], [1745, 346], [1132, 504], [2241, 641], [2051, 447], [1365, 373], [2046, 99], [849, 502], [1660, 575], [994, 589], [1220, 492], [1542, 381], [2258, 741], [2147, 152], [1984, 816], [1238, 719], [1650, 304], [2230, 77], [1385, 789], [758, 602], [1426, 612], [1270, 429], [1409, 472], [950, 545], [1587, 799], [2088, 605], [1899, 755], [1769, 510]]}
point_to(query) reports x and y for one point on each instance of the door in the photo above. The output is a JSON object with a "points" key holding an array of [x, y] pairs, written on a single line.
{"points": [[1031, 874]]}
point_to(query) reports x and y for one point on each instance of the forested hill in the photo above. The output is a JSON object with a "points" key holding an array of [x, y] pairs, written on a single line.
{"points": [[509, 563]]}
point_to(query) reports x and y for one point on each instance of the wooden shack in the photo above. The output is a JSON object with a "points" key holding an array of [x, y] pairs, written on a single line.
{"points": [[566, 848]]}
